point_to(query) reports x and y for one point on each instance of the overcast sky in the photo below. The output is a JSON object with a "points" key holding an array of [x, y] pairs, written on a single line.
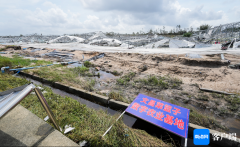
{"points": [[123, 16]]}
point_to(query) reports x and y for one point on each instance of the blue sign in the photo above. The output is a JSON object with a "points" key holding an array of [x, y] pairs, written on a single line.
{"points": [[201, 137], [163, 114]]}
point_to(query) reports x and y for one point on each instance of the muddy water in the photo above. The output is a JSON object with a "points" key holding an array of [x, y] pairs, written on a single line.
{"points": [[105, 76], [74, 65]]}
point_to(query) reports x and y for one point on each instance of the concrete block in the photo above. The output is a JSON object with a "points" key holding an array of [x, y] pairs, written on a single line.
{"points": [[117, 105], [47, 81], [37, 78], [22, 126], [60, 86], [57, 139], [72, 90]]}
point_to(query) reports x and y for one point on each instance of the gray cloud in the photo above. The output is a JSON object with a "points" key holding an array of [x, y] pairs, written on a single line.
{"points": [[43, 16], [152, 12]]}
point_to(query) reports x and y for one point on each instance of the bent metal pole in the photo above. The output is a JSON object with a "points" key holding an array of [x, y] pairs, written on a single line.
{"points": [[12, 101], [46, 107], [112, 124]]}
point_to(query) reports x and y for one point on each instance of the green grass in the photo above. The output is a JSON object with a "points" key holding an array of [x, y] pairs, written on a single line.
{"points": [[19, 61], [118, 96], [124, 80], [160, 82], [80, 70], [87, 64], [67, 75], [116, 73], [202, 97], [9, 82], [89, 124]]}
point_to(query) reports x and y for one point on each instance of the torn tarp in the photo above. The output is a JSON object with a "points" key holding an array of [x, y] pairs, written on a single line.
{"points": [[174, 43]]}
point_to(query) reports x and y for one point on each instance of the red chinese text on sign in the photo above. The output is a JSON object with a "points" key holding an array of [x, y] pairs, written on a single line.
{"points": [[135, 106], [176, 111], [168, 119], [179, 123], [167, 108], [144, 100], [151, 112], [152, 103], [159, 105], [159, 116], [143, 109]]}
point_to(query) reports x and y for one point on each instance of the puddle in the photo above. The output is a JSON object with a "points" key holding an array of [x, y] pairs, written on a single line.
{"points": [[104, 76], [74, 65]]}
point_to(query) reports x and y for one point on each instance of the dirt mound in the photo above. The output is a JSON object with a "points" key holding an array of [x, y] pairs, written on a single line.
{"points": [[202, 62], [14, 47]]}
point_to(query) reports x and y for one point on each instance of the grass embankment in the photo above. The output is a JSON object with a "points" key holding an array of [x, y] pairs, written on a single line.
{"points": [[89, 124], [68, 76], [17, 61]]}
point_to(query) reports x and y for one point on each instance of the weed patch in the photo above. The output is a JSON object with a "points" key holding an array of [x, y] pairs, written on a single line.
{"points": [[202, 97], [87, 64], [116, 73], [19, 61], [160, 82], [124, 80], [118, 96]]}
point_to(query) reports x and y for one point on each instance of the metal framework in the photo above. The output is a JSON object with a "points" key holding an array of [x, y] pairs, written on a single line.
{"points": [[222, 33]]}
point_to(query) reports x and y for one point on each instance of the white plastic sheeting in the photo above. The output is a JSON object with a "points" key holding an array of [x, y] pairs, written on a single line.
{"points": [[72, 38], [125, 45], [202, 45], [190, 55], [98, 34], [110, 42], [157, 44], [174, 43], [236, 45]]}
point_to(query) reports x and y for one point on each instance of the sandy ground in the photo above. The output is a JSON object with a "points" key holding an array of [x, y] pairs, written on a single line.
{"points": [[206, 72]]}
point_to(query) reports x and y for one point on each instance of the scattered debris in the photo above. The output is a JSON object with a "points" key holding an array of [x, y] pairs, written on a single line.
{"points": [[44, 92], [193, 56], [142, 68], [83, 143], [222, 56], [40, 88], [235, 66], [68, 128], [210, 90], [174, 43], [97, 68], [96, 57], [46, 118]]}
